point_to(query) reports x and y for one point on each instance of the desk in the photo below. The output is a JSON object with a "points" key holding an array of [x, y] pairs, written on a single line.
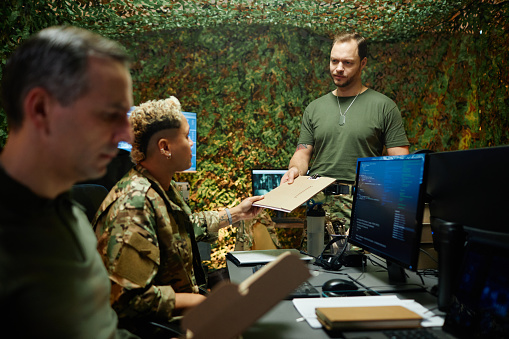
{"points": [[280, 322]]}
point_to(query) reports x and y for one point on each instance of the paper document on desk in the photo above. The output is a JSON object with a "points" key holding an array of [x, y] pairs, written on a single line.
{"points": [[307, 307], [261, 256], [288, 197]]}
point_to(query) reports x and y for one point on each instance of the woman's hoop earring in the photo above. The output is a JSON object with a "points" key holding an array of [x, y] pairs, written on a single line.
{"points": [[168, 156]]}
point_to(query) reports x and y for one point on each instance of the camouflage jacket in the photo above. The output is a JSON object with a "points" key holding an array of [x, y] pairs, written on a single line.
{"points": [[145, 246]]}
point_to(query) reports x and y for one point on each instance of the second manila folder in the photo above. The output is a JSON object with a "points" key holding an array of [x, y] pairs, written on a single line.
{"points": [[367, 317], [288, 197]]}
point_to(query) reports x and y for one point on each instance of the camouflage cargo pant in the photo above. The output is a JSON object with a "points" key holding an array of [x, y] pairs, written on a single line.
{"points": [[338, 209], [245, 235]]}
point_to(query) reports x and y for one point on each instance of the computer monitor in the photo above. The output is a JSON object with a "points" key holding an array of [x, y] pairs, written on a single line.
{"points": [[480, 306], [466, 188], [123, 145], [470, 187], [192, 120], [387, 210], [265, 180]]}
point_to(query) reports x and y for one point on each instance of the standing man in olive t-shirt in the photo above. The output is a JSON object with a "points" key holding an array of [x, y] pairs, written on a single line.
{"points": [[351, 122]]}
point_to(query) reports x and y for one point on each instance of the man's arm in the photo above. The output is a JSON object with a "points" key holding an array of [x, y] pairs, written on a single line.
{"points": [[299, 163], [400, 150]]}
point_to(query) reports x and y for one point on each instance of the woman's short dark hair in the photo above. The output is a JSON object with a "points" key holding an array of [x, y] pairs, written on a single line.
{"points": [[149, 118]]}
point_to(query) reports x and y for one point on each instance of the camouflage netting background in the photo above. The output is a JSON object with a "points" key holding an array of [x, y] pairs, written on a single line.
{"points": [[249, 88], [250, 80]]}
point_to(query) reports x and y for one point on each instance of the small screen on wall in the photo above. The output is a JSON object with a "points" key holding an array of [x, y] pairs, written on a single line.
{"points": [[191, 119]]}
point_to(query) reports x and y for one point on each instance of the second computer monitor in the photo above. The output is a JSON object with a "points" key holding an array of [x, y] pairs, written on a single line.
{"points": [[265, 180], [388, 206]]}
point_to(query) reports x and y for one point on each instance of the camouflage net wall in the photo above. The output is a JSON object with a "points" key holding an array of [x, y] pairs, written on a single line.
{"points": [[250, 81], [250, 86]]}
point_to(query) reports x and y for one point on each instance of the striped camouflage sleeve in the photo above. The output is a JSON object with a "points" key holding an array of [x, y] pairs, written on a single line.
{"points": [[206, 225]]}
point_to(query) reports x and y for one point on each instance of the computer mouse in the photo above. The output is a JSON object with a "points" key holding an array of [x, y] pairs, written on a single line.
{"points": [[339, 285]]}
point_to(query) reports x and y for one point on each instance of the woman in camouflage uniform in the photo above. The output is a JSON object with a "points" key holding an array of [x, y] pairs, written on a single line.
{"points": [[147, 233]]}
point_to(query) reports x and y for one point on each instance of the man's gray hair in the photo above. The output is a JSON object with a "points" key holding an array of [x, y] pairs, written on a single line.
{"points": [[55, 59]]}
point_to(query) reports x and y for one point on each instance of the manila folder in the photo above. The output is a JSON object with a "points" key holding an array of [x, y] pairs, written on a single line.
{"points": [[288, 197]]}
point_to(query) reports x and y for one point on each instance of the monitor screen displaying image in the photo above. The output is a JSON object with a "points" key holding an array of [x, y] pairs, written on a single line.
{"points": [[122, 144], [265, 180], [191, 119], [388, 207]]}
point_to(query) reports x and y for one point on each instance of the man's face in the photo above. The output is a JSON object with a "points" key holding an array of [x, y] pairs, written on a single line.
{"points": [[83, 136], [345, 64], [181, 144]]}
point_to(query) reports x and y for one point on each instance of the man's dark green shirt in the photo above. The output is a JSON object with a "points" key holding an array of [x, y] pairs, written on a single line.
{"points": [[53, 283]]}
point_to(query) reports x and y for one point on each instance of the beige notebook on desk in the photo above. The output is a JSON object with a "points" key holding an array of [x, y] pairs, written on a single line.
{"points": [[288, 197], [367, 317]]}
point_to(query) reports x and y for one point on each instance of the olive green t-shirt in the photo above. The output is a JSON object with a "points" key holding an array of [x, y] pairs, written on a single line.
{"points": [[372, 121]]}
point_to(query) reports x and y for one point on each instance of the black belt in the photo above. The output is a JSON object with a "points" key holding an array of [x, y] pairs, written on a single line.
{"points": [[339, 187]]}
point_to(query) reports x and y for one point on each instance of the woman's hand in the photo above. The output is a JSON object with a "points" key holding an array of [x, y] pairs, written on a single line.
{"points": [[246, 210]]}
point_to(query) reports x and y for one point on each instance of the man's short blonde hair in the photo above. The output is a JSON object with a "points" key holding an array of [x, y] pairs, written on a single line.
{"points": [[150, 118]]}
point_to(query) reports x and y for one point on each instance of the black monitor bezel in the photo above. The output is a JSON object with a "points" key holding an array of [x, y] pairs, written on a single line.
{"points": [[464, 187], [414, 258]]}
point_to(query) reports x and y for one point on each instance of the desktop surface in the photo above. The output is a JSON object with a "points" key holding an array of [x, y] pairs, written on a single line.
{"points": [[282, 321]]}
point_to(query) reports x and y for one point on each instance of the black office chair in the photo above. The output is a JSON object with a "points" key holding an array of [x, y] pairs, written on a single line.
{"points": [[117, 168], [150, 329], [89, 196]]}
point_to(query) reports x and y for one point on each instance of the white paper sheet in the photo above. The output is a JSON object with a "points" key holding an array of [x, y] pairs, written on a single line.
{"points": [[307, 306], [262, 256]]}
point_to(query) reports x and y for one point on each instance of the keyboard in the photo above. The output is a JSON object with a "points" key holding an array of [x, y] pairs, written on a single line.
{"points": [[410, 333], [304, 290], [414, 333]]}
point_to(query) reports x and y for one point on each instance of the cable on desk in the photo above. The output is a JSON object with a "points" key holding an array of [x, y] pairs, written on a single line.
{"points": [[429, 271], [319, 269], [429, 255], [420, 277], [395, 290], [358, 282], [434, 309], [375, 263], [356, 293]]}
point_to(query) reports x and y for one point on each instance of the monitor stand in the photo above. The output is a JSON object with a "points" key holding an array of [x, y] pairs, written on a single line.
{"points": [[396, 273], [450, 238], [396, 280]]}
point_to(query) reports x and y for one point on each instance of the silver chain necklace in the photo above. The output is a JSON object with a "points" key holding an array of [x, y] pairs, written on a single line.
{"points": [[342, 116]]}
